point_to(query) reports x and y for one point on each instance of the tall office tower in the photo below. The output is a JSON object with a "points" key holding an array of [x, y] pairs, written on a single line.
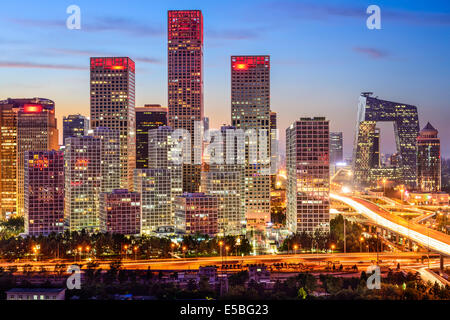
{"points": [[44, 192], [110, 152], [308, 177], [161, 153], [151, 116], [185, 85], [154, 186], [83, 177], [196, 213], [250, 110], [206, 123], [36, 131], [336, 147], [375, 160], [120, 212], [406, 129], [112, 106], [8, 154], [75, 125], [429, 160], [225, 179]]}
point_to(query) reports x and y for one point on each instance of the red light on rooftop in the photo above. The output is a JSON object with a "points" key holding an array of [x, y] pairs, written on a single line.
{"points": [[32, 108]]}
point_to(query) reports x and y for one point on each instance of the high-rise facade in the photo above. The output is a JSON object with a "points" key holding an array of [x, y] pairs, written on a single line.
{"points": [[196, 213], [428, 160], [308, 177], [75, 125], [250, 110], [185, 85], [406, 129], [336, 147], [110, 153], [36, 131], [162, 156], [83, 178], [154, 186], [225, 179], [147, 118], [8, 157], [44, 192], [113, 106], [120, 212]]}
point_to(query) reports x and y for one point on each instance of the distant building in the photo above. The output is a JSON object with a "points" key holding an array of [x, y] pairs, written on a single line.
{"points": [[428, 198], [196, 213], [44, 192], [36, 131], [120, 212], [151, 116], [336, 147], [428, 160], [75, 125], [308, 176], [36, 294]]}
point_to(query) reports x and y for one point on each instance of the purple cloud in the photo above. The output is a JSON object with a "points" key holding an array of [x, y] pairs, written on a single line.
{"points": [[32, 65], [371, 52]]}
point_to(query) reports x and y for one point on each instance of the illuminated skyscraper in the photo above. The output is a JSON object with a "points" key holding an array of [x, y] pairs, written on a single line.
{"points": [[250, 110], [406, 129], [36, 131], [120, 212], [154, 186], [147, 118], [44, 192], [83, 178], [196, 213], [75, 125], [225, 179], [308, 176], [110, 153], [429, 160], [8, 155], [112, 106], [161, 156], [185, 85]]}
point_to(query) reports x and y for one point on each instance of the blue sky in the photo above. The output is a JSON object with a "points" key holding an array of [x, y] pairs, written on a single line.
{"points": [[322, 54]]}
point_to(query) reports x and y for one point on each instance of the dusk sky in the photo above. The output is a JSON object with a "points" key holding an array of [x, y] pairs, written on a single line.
{"points": [[322, 55]]}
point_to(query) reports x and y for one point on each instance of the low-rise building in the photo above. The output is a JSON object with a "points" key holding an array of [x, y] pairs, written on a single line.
{"points": [[36, 294]]}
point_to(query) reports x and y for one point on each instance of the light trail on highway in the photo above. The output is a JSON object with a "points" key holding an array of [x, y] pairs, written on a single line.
{"points": [[425, 240]]}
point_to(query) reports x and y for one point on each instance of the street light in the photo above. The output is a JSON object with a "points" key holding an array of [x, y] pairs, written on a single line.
{"points": [[332, 247], [384, 186], [126, 251], [80, 250], [360, 243], [135, 249], [295, 248], [184, 251]]}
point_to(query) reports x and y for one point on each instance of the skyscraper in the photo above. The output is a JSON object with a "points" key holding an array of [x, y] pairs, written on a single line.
{"points": [[120, 212], [428, 160], [225, 179], [44, 192], [112, 106], [110, 152], [185, 85], [250, 110], [161, 156], [336, 147], [36, 131], [149, 117], [154, 186], [8, 157], [83, 178], [406, 129], [75, 125], [308, 177]]}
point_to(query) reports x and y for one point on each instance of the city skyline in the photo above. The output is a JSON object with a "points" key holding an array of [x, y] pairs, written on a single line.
{"points": [[302, 70]]}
